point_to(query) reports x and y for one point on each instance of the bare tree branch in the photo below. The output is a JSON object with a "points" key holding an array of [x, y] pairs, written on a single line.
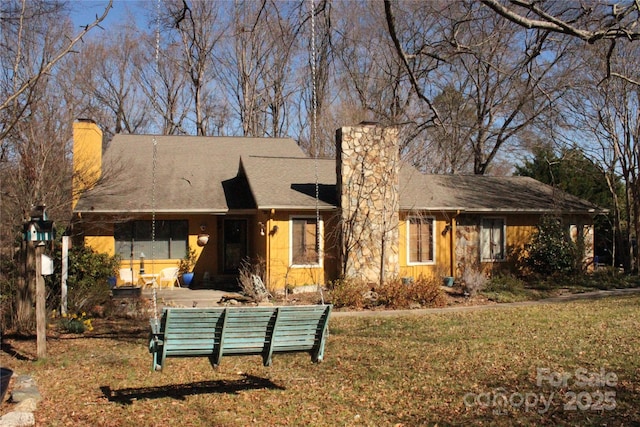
{"points": [[550, 22], [46, 67], [403, 56]]}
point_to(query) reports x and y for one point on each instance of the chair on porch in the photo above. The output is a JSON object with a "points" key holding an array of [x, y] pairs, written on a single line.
{"points": [[128, 276], [168, 277]]}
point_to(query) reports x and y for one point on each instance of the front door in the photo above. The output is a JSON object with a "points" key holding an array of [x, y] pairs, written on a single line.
{"points": [[235, 244]]}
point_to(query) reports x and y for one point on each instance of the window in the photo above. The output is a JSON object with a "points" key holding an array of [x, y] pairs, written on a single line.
{"points": [[421, 240], [304, 241], [134, 237], [492, 239]]}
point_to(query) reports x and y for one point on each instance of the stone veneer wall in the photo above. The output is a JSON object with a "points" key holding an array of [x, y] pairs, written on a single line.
{"points": [[367, 182]]}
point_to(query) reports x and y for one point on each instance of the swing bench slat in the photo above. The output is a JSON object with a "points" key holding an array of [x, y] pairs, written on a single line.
{"points": [[232, 331]]}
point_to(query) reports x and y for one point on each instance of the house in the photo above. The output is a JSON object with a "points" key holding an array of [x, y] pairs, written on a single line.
{"points": [[365, 215]]}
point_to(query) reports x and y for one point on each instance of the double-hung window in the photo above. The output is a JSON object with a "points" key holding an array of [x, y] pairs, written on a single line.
{"points": [[421, 246], [492, 239], [135, 237], [305, 242]]}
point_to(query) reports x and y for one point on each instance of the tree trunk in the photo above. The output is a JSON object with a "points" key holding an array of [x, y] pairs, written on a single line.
{"points": [[24, 319]]}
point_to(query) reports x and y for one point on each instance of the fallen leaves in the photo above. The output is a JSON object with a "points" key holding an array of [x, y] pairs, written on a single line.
{"points": [[403, 371]]}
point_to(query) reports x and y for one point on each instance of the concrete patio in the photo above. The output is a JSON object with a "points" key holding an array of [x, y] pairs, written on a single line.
{"points": [[185, 297]]}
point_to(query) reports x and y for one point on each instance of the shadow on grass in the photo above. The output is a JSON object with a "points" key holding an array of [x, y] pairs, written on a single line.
{"points": [[126, 396], [13, 352]]}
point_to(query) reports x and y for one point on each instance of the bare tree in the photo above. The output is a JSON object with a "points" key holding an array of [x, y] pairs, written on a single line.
{"points": [[447, 146], [30, 50], [165, 86], [608, 113], [106, 73], [591, 21], [587, 20], [316, 78], [196, 26], [36, 36], [255, 65], [507, 76]]}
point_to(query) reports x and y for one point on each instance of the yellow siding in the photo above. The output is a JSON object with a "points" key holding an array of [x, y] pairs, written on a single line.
{"points": [[519, 231], [277, 249], [442, 263]]}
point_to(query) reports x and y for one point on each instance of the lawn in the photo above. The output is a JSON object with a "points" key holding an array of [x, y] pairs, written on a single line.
{"points": [[575, 363]]}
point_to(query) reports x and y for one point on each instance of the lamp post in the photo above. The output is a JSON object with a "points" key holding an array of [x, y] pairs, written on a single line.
{"points": [[141, 263]]}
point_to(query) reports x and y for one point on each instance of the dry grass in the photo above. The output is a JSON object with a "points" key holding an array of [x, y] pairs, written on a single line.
{"points": [[378, 371]]}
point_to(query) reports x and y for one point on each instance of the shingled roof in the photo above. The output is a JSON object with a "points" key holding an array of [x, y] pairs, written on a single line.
{"points": [[192, 174], [291, 182], [483, 194], [219, 174]]}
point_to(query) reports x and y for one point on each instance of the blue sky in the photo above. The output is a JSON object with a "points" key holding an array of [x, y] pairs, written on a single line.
{"points": [[84, 12]]}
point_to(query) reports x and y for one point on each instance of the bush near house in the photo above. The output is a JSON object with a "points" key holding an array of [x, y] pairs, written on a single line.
{"points": [[87, 280], [349, 293], [393, 294], [551, 249]]}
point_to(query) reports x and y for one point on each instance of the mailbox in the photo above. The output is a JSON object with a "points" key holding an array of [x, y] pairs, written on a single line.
{"points": [[47, 265], [39, 228]]}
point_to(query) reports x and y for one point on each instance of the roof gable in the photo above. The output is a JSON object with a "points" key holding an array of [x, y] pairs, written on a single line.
{"points": [[278, 182]]}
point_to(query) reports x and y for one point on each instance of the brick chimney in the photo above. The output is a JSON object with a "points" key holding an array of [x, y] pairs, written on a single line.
{"points": [[87, 156], [368, 184]]}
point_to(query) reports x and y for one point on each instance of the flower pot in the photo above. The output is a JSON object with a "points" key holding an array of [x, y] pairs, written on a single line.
{"points": [[187, 278], [112, 280], [5, 377], [127, 292], [448, 281]]}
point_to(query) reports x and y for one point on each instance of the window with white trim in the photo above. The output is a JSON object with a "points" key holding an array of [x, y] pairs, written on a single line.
{"points": [[305, 249], [421, 241], [492, 239]]}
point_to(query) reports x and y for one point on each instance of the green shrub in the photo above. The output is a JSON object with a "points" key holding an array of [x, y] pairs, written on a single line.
{"points": [[87, 282], [75, 323], [551, 249], [505, 283], [507, 288]]}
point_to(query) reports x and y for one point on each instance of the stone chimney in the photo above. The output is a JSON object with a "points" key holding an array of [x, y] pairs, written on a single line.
{"points": [[368, 185], [87, 156]]}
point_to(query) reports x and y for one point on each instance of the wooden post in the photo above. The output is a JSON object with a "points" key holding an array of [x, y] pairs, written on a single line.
{"points": [[41, 306], [65, 274]]}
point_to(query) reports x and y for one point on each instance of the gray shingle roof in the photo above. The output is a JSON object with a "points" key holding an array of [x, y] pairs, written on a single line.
{"points": [[193, 174], [215, 174], [291, 182], [474, 193]]}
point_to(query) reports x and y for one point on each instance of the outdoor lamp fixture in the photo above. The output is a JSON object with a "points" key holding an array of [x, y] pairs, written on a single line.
{"points": [[141, 262], [273, 231], [261, 224]]}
